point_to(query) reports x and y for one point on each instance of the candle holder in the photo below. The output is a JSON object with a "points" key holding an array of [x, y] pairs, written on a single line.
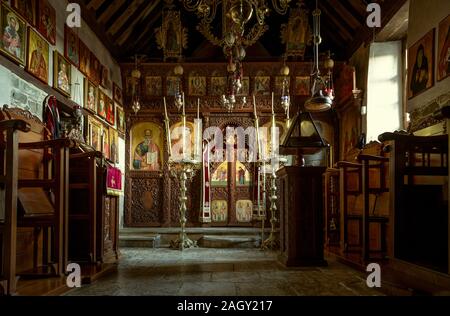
{"points": [[272, 242], [183, 170]]}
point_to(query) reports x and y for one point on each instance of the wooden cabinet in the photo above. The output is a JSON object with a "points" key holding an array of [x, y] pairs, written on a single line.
{"points": [[301, 216]]}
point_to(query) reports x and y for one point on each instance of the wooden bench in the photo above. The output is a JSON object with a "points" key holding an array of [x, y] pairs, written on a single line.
{"points": [[363, 181], [9, 149], [419, 206], [42, 194]]}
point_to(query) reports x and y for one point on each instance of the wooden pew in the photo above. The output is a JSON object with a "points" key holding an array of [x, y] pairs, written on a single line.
{"points": [[363, 181], [419, 211], [84, 189], [42, 193], [9, 149]]}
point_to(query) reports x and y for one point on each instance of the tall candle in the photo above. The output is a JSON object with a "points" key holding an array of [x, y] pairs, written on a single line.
{"points": [[198, 109], [166, 121], [354, 78], [273, 101], [183, 117], [165, 108]]}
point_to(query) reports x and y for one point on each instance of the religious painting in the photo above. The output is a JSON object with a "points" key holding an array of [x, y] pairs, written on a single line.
{"points": [[114, 141], [46, 21], [38, 56], [105, 80], [94, 70], [176, 138], [219, 211], [421, 65], [218, 86], [13, 34], [106, 145], [296, 33], [220, 175], [85, 59], [117, 94], [245, 90], [171, 36], [130, 86], [153, 86], [120, 117], [172, 85], [244, 211], [90, 96], [146, 147], [71, 46], [110, 111], [101, 106], [62, 74], [279, 83], [302, 85], [262, 85], [243, 178], [95, 129], [26, 8], [444, 49], [197, 86]]}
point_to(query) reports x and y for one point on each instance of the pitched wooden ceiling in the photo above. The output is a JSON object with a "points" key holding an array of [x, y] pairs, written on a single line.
{"points": [[126, 28]]}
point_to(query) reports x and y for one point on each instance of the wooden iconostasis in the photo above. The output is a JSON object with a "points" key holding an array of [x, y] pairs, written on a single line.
{"points": [[151, 195]]}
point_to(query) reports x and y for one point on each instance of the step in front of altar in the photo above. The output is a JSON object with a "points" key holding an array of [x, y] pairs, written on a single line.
{"points": [[207, 237]]}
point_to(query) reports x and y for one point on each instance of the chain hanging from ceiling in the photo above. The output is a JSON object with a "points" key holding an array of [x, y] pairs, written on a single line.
{"points": [[235, 16]]}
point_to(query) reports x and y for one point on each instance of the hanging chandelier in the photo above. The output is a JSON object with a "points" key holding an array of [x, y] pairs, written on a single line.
{"points": [[178, 71], [136, 77], [322, 93], [235, 17]]}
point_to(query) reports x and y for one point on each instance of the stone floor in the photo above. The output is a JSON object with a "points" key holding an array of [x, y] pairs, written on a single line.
{"points": [[222, 272]]}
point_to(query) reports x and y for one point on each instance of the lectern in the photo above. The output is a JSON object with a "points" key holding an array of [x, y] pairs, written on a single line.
{"points": [[301, 217], [301, 197]]}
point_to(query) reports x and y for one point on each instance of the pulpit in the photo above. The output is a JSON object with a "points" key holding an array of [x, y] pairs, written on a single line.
{"points": [[301, 217], [301, 196]]}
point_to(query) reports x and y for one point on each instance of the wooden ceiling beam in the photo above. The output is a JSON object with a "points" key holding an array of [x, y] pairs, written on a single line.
{"points": [[145, 35], [141, 13], [352, 21], [364, 33], [338, 26], [109, 12], [89, 17], [124, 18], [94, 4]]}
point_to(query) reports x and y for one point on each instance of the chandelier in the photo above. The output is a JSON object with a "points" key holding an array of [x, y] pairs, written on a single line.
{"points": [[179, 71], [236, 14], [322, 93], [136, 77]]}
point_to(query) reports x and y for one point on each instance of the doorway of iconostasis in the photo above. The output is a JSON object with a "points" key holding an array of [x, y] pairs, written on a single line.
{"points": [[231, 194]]}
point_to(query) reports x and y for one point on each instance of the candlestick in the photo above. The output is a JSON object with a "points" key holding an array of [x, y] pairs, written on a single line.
{"points": [[354, 78]]}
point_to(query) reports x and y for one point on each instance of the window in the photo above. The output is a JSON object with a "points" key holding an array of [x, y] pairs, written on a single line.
{"points": [[384, 89]]}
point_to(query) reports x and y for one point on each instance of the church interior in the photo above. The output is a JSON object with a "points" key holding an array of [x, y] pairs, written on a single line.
{"points": [[224, 148]]}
